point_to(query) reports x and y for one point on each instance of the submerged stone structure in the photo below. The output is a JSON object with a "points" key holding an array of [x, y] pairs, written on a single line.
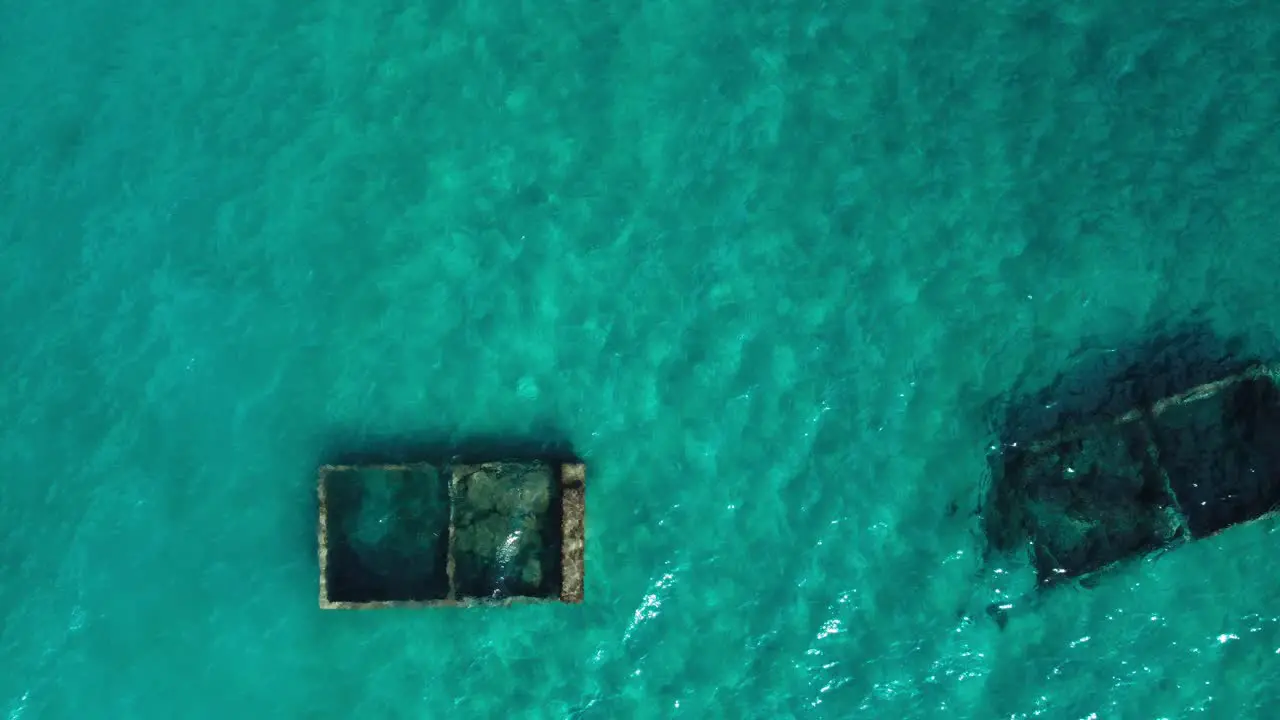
{"points": [[451, 534], [1086, 496]]}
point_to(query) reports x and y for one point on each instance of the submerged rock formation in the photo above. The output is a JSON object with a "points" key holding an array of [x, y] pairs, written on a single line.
{"points": [[1190, 455]]}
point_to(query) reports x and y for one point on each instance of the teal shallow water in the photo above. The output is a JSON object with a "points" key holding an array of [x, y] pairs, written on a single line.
{"points": [[763, 266]]}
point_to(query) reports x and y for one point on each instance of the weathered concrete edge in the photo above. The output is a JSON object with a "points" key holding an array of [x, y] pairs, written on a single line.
{"points": [[421, 604], [322, 533], [573, 497]]}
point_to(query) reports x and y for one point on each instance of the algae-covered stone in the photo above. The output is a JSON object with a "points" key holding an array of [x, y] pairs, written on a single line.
{"points": [[1092, 500], [1177, 468], [506, 537]]}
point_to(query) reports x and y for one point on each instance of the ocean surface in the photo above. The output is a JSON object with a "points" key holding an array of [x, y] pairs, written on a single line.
{"points": [[765, 266]]}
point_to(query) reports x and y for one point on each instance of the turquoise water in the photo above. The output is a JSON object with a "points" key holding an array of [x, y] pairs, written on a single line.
{"points": [[762, 265]]}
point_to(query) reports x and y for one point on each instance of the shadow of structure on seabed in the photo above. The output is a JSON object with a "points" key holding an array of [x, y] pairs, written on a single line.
{"points": [[358, 448], [1131, 452]]}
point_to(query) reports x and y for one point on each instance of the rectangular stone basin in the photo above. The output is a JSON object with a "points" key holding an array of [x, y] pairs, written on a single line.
{"points": [[445, 534]]}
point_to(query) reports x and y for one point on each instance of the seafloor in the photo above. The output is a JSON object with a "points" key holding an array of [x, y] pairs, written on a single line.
{"points": [[767, 267]]}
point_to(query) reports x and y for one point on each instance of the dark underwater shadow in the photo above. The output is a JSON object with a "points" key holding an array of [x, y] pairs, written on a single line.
{"points": [[358, 448], [1100, 383], [1106, 381]]}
